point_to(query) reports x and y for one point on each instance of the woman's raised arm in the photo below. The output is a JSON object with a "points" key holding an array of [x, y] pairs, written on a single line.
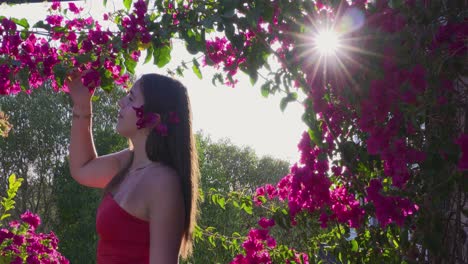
{"points": [[85, 166]]}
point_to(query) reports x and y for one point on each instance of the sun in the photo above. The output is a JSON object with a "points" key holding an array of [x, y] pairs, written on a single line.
{"points": [[327, 42]]}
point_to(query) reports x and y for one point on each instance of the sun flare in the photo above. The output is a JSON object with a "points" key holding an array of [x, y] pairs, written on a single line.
{"points": [[327, 42]]}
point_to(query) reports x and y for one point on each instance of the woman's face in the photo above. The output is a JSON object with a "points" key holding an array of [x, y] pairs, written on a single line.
{"points": [[127, 118]]}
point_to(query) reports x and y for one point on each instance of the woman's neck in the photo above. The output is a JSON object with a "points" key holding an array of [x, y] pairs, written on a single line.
{"points": [[140, 159]]}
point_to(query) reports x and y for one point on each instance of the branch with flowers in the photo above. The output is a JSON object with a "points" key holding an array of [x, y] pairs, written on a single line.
{"points": [[383, 163]]}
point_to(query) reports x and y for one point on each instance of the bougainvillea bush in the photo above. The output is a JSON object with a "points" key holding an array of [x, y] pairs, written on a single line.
{"points": [[19, 242], [383, 164]]}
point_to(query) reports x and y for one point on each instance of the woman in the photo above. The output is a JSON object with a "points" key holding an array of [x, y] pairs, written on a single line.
{"points": [[149, 207]]}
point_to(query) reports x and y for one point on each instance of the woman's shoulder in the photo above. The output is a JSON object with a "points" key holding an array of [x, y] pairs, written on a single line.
{"points": [[159, 176]]}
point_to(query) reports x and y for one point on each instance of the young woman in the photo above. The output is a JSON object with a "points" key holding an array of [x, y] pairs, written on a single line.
{"points": [[149, 207]]}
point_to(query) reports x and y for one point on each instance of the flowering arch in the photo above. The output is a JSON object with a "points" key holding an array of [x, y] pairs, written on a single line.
{"points": [[386, 149]]}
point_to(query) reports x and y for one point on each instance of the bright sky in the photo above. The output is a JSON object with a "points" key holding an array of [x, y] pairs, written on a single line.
{"points": [[240, 114]]}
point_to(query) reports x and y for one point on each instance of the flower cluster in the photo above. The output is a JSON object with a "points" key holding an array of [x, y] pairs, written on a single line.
{"points": [[75, 43], [389, 209], [135, 28], [221, 51], [256, 248], [150, 119], [21, 244]]}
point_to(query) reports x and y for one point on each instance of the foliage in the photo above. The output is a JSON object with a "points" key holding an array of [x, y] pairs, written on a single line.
{"points": [[35, 148], [386, 150], [8, 202], [229, 175], [19, 243]]}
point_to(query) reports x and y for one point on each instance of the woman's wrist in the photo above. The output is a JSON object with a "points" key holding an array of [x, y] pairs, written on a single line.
{"points": [[82, 111]]}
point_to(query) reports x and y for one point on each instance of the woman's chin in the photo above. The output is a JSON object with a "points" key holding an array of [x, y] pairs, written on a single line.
{"points": [[119, 130]]}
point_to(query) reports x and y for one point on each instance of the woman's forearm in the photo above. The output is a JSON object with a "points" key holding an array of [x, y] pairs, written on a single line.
{"points": [[82, 148]]}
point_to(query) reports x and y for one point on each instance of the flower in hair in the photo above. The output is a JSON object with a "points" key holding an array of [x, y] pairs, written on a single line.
{"points": [[146, 119], [161, 129], [149, 119], [173, 118]]}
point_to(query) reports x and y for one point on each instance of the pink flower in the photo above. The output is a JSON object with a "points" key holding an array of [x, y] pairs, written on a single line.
{"points": [[72, 7], [91, 79], [271, 242], [32, 219], [54, 20], [389, 209], [161, 129], [17, 260], [259, 192], [135, 55], [14, 224], [18, 240], [266, 223], [5, 234], [271, 191], [55, 5], [173, 118]]}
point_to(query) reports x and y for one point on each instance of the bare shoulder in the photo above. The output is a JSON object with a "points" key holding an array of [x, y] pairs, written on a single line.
{"points": [[160, 181], [161, 189]]}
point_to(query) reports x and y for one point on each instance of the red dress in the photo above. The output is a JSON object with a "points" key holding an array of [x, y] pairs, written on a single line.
{"points": [[123, 238]]}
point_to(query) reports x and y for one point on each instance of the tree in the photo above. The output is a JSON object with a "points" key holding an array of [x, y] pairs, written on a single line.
{"points": [[229, 176], [35, 148]]}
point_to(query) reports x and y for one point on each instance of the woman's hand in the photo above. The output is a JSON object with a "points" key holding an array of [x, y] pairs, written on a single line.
{"points": [[80, 94]]}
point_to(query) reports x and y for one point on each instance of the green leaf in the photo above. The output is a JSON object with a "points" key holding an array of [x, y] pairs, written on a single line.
{"points": [[12, 180], [83, 58], [395, 243], [179, 71], [162, 55], [41, 24], [315, 135], [5, 216], [196, 69], [21, 22], [105, 3], [354, 245], [265, 89], [222, 202], [60, 72], [130, 64], [284, 102], [217, 77], [149, 54], [211, 240], [253, 77], [127, 4], [107, 82], [247, 208], [292, 96], [24, 35], [214, 198]]}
